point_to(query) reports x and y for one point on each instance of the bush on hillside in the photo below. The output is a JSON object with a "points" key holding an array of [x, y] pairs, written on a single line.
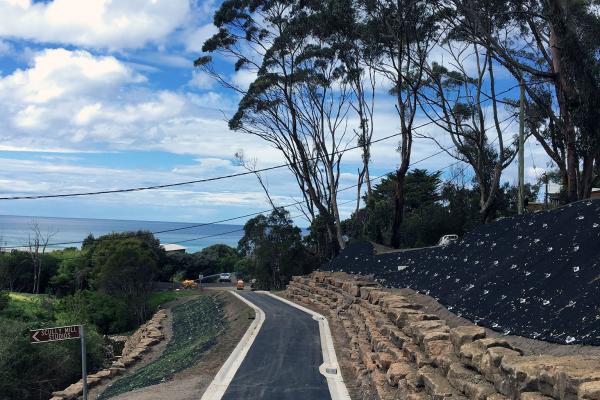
{"points": [[4, 300], [27, 370]]}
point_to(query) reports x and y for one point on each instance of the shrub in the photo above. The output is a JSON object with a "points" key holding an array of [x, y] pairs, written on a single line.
{"points": [[27, 370], [4, 300]]}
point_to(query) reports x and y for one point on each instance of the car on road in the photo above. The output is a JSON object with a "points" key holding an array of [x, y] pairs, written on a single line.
{"points": [[240, 285], [225, 277], [447, 239]]}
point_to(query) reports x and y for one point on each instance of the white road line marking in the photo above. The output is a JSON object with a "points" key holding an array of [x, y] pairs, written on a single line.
{"points": [[330, 367], [220, 383]]}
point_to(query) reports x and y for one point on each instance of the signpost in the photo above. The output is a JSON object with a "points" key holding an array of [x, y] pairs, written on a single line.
{"points": [[64, 333]]}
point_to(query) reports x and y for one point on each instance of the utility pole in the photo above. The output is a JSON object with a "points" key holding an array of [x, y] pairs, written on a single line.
{"points": [[521, 150]]}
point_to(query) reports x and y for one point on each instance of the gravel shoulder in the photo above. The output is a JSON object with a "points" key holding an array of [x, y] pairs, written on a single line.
{"points": [[192, 382]]}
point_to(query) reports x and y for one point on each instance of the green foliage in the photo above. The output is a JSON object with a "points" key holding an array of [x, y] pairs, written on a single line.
{"points": [[161, 298], [432, 209], [210, 260], [274, 249], [125, 268], [27, 370], [196, 325], [73, 272], [4, 300]]}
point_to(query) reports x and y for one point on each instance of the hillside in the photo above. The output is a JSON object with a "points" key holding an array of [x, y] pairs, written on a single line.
{"points": [[536, 275]]}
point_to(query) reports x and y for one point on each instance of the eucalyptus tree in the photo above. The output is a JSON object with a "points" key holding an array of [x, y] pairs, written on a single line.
{"points": [[401, 35], [340, 24], [453, 99], [552, 46], [298, 102]]}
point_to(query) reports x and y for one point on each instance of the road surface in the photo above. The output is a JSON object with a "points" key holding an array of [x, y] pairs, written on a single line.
{"points": [[283, 362]]}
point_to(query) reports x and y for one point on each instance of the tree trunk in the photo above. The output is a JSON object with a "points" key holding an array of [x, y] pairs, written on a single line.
{"points": [[398, 209]]}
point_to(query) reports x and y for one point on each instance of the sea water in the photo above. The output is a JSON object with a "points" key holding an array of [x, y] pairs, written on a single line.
{"points": [[15, 231]]}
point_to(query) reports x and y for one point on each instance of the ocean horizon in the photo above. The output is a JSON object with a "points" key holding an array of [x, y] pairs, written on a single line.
{"points": [[14, 231]]}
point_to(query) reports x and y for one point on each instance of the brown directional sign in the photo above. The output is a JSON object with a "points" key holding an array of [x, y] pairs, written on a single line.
{"points": [[55, 334]]}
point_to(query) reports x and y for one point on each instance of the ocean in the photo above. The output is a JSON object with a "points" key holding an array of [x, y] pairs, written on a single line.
{"points": [[14, 231]]}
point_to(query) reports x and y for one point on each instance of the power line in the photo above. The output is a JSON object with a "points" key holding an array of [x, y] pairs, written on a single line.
{"points": [[217, 178], [237, 217], [443, 150]]}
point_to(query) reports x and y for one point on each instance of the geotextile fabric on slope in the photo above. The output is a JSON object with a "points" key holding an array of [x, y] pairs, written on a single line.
{"points": [[535, 275]]}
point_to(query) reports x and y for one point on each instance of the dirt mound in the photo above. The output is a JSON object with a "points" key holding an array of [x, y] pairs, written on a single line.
{"points": [[536, 275]]}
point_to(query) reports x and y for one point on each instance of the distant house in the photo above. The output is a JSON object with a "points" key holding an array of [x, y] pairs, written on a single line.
{"points": [[173, 248]]}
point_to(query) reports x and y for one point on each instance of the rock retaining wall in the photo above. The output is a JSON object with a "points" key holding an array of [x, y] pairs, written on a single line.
{"points": [[401, 352], [147, 336]]}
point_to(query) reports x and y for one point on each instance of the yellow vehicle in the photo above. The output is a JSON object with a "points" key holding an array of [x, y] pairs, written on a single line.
{"points": [[240, 285]]}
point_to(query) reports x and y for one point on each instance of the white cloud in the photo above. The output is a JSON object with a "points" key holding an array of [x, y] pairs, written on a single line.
{"points": [[201, 80], [196, 38], [243, 78], [59, 73], [92, 23]]}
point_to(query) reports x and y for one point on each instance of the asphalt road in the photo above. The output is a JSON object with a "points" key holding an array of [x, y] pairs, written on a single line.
{"points": [[283, 362]]}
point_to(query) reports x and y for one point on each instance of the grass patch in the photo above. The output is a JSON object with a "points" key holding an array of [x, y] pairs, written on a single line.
{"points": [[196, 326], [160, 298], [29, 307]]}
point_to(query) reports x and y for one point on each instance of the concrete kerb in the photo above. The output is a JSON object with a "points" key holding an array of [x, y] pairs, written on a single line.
{"points": [[330, 367], [220, 383]]}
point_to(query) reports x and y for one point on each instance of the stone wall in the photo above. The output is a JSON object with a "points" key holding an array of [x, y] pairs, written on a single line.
{"points": [[143, 339], [402, 352]]}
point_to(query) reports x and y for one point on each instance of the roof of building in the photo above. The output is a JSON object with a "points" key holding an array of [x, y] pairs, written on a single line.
{"points": [[172, 247]]}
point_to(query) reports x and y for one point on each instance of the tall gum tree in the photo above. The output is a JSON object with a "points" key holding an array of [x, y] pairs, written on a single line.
{"points": [[456, 103], [552, 47], [401, 34], [299, 101]]}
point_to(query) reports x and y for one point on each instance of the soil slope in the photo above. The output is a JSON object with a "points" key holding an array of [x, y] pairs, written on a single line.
{"points": [[536, 275]]}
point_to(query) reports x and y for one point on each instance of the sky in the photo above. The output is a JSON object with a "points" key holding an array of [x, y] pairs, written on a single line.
{"points": [[101, 94]]}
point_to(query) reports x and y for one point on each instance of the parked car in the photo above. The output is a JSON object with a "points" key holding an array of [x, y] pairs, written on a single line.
{"points": [[447, 239], [240, 285], [225, 277]]}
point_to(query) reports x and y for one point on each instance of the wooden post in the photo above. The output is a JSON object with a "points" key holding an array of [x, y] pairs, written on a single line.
{"points": [[83, 364]]}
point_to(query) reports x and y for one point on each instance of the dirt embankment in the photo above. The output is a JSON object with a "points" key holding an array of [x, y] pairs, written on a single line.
{"points": [[192, 382]]}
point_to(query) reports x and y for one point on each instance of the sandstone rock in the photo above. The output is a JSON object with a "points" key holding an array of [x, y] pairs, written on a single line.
{"points": [[465, 334], [473, 385], [428, 336], [114, 371], [534, 396], [436, 385], [436, 348], [489, 365], [589, 391], [384, 360], [105, 373], [423, 324], [417, 396], [375, 295], [496, 396], [397, 337], [414, 354], [364, 292], [57, 398], [520, 374], [398, 371], [473, 352]]}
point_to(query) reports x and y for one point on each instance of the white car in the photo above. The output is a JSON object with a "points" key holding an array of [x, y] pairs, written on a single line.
{"points": [[225, 277], [447, 239]]}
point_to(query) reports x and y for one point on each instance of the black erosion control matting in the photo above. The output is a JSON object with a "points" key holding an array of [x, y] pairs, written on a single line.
{"points": [[536, 275]]}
